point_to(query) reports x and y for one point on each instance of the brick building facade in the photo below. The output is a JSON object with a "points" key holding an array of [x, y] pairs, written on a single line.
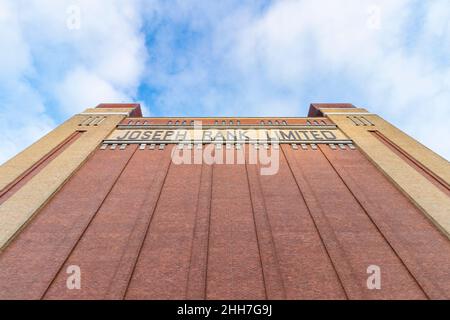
{"points": [[101, 192]]}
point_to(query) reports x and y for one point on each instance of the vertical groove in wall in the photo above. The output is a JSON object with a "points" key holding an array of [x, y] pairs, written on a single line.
{"points": [[130, 255], [336, 257], [424, 171], [360, 198], [209, 231], [234, 266], [14, 186], [198, 265], [402, 225], [258, 241], [153, 207], [196, 234], [108, 247], [273, 281], [88, 223], [68, 213]]}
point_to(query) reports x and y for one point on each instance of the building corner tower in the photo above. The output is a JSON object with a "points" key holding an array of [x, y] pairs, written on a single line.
{"points": [[426, 177], [30, 179]]}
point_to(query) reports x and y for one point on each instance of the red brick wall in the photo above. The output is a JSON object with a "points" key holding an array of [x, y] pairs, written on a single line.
{"points": [[142, 227]]}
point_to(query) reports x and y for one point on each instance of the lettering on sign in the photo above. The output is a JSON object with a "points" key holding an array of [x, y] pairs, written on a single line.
{"points": [[228, 136]]}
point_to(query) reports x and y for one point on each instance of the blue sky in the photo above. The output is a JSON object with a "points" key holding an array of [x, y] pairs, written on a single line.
{"points": [[224, 58]]}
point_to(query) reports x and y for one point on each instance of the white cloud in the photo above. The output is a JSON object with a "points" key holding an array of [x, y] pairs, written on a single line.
{"points": [[227, 58], [107, 44], [49, 68], [384, 55], [407, 85], [81, 89], [22, 116]]}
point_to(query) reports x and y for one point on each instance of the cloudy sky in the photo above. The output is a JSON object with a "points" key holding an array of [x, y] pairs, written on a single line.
{"points": [[224, 58]]}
